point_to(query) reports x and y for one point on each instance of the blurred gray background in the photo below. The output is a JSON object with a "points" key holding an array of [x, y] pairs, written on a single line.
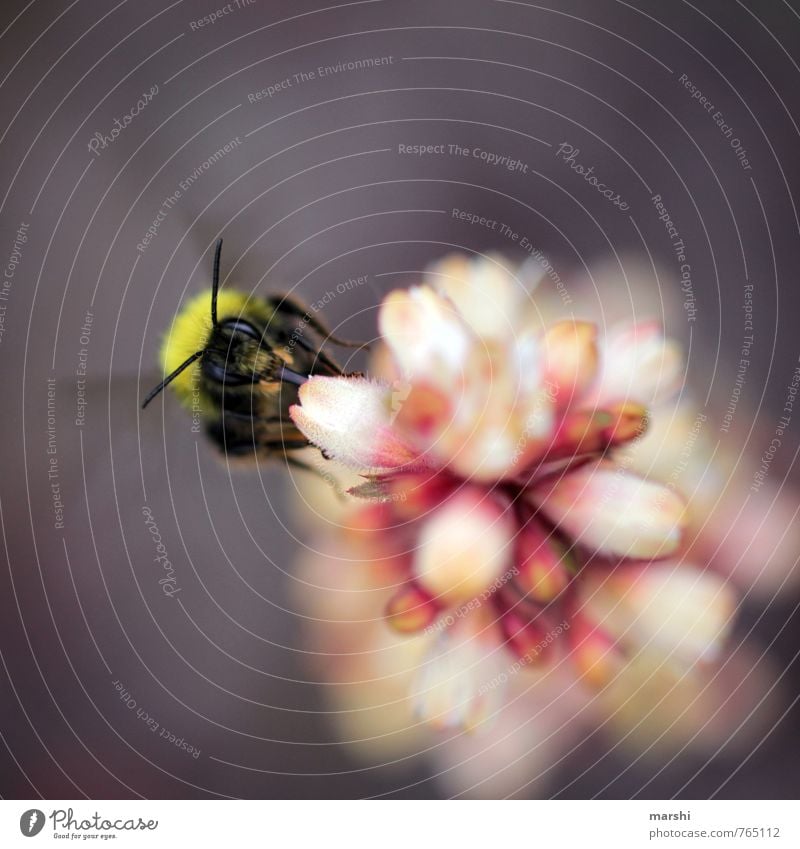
{"points": [[313, 190]]}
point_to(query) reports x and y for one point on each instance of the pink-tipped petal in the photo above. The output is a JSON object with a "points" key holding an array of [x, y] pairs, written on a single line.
{"points": [[612, 512], [349, 418]]}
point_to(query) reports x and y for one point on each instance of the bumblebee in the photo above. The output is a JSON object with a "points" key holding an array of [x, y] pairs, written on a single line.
{"points": [[241, 363]]}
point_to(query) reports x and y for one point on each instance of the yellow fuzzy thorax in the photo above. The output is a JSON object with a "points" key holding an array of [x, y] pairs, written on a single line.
{"points": [[191, 329]]}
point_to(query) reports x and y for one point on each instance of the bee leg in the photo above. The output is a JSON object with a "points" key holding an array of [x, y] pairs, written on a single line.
{"points": [[239, 445], [292, 307], [330, 364], [280, 445]]}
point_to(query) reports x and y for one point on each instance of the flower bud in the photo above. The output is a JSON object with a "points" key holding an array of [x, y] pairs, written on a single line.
{"points": [[542, 564], [593, 431], [527, 638], [596, 656], [411, 609]]}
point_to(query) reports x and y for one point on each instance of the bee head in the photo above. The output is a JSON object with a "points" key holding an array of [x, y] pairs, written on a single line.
{"points": [[238, 353], [231, 351]]}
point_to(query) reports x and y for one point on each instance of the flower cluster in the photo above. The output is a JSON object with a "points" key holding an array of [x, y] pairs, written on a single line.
{"points": [[499, 493]]}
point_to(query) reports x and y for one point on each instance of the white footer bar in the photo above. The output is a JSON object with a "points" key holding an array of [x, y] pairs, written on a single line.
{"points": [[402, 824]]}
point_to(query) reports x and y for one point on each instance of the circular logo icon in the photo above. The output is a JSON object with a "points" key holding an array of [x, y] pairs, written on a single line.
{"points": [[31, 822]]}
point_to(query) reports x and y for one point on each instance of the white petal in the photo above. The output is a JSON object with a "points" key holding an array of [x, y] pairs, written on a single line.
{"points": [[425, 332], [681, 612], [349, 418], [639, 364], [460, 683], [464, 546], [571, 358], [610, 511], [487, 294]]}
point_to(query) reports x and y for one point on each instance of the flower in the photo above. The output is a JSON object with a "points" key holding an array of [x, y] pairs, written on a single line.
{"points": [[491, 452]]}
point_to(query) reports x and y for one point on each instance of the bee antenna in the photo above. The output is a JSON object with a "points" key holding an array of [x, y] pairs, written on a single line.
{"points": [[170, 377], [215, 283]]}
